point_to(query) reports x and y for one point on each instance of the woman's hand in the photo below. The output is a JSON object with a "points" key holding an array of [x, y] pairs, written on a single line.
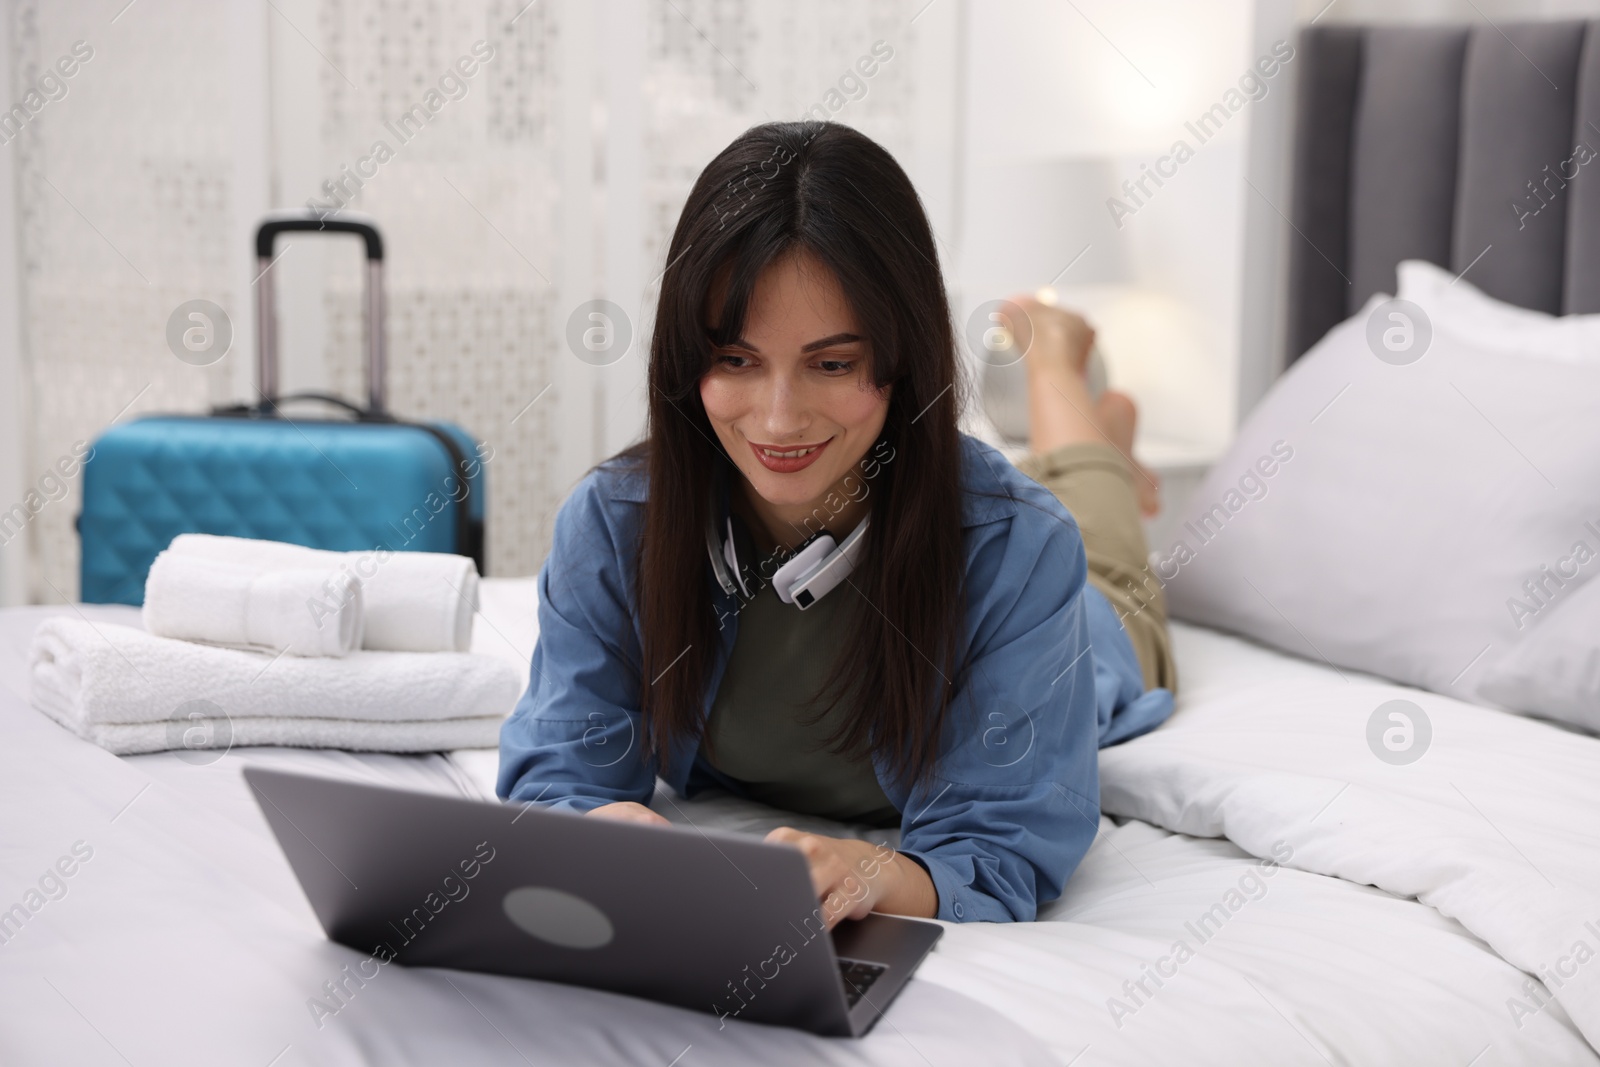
{"points": [[854, 878], [629, 811]]}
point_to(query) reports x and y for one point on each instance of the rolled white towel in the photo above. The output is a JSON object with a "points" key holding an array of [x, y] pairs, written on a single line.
{"points": [[130, 691], [300, 611], [414, 601]]}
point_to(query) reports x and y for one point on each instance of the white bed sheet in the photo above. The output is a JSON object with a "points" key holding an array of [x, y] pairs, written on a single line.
{"points": [[185, 939]]}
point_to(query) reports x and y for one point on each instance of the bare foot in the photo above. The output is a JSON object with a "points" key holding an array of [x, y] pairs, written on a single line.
{"points": [[1056, 339], [1119, 418], [1060, 410], [1056, 345]]}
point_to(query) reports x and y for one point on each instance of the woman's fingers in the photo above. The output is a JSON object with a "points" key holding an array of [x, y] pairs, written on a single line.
{"points": [[823, 875], [848, 899], [840, 889], [629, 811]]}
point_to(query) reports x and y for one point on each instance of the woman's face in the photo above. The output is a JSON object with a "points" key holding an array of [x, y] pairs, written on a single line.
{"points": [[798, 381]]}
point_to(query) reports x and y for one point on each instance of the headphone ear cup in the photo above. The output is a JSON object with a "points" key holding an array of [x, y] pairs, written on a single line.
{"points": [[730, 553], [802, 565], [826, 573], [724, 558]]}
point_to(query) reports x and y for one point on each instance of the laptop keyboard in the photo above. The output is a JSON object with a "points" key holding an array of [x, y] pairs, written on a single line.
{"points": [[858, 977]]}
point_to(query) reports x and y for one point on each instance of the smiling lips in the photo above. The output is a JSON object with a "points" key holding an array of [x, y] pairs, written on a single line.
{"points": [[787, 460]]}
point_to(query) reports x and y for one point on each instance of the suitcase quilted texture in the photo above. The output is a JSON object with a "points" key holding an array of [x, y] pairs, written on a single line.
{"points": [[334, 485]]}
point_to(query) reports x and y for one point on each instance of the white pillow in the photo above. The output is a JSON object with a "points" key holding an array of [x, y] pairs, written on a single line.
{"points": [[1384, 516], [1453, 306]]}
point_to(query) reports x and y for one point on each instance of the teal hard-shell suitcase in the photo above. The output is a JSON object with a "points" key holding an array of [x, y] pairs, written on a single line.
{"points": [[369, 481]]}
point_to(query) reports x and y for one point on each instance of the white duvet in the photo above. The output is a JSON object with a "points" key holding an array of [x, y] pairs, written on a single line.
{"points": [[1494, 825], [185, 939]]}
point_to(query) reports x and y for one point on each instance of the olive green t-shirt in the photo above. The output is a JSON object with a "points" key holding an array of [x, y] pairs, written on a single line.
{"points": [[782, 656]]}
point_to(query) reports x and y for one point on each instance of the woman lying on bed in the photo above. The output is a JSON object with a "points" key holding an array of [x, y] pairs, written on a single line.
{"points": [[955, 668]]}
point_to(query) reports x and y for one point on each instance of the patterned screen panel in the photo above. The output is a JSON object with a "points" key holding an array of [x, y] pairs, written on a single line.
{"points": [[550, 174]]}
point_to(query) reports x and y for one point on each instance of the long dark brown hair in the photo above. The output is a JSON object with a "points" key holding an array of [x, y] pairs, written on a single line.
{"points": [[826, 189]]}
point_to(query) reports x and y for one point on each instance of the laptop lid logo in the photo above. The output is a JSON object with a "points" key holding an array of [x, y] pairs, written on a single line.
{"points": [[559, 917]]}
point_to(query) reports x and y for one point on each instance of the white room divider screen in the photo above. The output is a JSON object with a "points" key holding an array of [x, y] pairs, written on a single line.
{"points": [[549, 175], [123, 199]]}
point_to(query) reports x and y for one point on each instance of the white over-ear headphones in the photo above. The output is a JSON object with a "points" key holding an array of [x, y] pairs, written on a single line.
{"points": [[817, 566], [811, 573]]}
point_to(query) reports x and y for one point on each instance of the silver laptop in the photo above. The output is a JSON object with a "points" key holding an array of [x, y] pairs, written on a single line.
{"points": [[721, 923]]}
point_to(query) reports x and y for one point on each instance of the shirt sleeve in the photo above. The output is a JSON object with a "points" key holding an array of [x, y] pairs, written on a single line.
{"points": [[1013, 803], [574, 740]]}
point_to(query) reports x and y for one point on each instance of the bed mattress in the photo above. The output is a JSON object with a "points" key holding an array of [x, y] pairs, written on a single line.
{"points": [[1417, 917]]}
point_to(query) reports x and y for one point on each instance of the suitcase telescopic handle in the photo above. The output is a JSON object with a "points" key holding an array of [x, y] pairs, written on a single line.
{"points": [[266, 312]]}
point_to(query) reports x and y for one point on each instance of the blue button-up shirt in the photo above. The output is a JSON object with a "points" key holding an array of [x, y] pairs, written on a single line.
{"points": [[1014, 800]]}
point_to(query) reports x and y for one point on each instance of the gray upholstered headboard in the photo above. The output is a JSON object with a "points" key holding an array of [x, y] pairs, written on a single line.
{"points": [[1436, 143]]}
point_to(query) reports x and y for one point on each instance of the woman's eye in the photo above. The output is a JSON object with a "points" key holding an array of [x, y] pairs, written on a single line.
{"points": [[836, 366], [731, 360]]}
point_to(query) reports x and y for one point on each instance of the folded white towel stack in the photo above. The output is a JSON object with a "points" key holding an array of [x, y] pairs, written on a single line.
{"points": [[128, 691], [414, 601], [300, 611]]}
